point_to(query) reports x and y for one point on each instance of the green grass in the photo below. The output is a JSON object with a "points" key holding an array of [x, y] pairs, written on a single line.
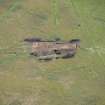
{"points": [[77, 81]]}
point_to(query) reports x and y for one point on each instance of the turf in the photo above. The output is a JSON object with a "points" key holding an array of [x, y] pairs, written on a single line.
{"points": [[26, 81]]}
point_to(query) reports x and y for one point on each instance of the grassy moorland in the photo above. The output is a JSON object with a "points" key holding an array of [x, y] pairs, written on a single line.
{"points": [[76, 81]]}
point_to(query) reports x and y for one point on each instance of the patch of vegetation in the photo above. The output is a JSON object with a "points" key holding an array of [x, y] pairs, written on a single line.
{"points": [[77, 81], [2, 1], [12, 7], [16, 102]]}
